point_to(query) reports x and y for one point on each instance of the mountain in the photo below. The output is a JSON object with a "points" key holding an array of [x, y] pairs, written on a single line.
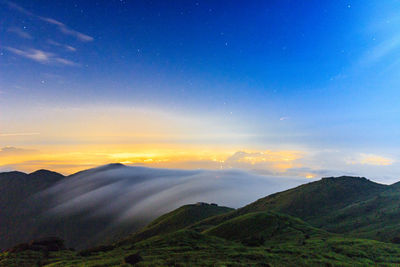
{"points": [[178, 219], [318, 198], [376, 217], [259, 228], [329, 222], [348, 205], [313, 202], [253, 239], [18, 203], [15, 186]]}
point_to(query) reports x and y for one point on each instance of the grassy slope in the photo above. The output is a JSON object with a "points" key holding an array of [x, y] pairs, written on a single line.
{"points": [[247, 237], [309, 201], [347, 205], [350, 205], [178, 219], [290, 242], [377, 217], [318, 198], [265, 227]]}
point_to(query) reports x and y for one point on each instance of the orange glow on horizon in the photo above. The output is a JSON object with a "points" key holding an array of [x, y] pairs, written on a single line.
{"points": [[68, 160]]}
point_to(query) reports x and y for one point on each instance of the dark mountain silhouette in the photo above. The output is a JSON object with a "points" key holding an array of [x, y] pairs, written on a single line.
{"points": [[19, 208]]}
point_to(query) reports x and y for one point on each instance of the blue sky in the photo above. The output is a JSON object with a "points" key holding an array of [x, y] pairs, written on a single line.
{"points": [[307, 76]]}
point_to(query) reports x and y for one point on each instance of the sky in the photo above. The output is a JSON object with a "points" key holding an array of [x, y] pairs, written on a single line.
{"points": [[285, 88]]}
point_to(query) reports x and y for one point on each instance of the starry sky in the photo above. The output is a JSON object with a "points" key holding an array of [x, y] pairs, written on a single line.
{"points": [[286, 88]]}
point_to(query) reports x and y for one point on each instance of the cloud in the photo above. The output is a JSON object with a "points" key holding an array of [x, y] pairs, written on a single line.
{"points": [[68, 31], [65, 62], [371, 159], [271, 161], [384, 49], [60, 166], [17, 134], [20, 33], [34, 54], [283, 118], [41, 56], [262, 162], [12, 151], [127, 193], [316, 173], [19, 8], [66, 47], [61, 26], [121, 196]]}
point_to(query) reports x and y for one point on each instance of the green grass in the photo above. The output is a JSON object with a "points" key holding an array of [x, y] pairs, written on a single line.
{"points": [[353, 206], [178, 219], [265, 227], [259, 234], [318, 198], [377, 218], [286, 241], [190, 248]]}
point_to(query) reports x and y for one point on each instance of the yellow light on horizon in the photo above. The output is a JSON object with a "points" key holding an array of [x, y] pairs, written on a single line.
{"points": [[68, 160]]}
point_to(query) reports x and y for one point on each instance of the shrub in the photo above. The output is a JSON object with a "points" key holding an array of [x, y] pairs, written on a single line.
{"points": [[133, 259]]}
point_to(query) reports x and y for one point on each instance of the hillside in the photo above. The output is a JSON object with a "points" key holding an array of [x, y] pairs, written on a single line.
{"points": [[332, 215], [285, 241], [377, 217], [179, 219], [311, 202], [259, 228], [318, 198], [19, 205]]}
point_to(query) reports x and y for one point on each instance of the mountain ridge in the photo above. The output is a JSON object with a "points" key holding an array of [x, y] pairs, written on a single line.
{"points": [[335, 210]]}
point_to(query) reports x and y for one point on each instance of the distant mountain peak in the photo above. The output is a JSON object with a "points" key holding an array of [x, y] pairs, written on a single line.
{"points": [[111, 166], [12, 172], [42, 172], [345, 177], [117, 164]]}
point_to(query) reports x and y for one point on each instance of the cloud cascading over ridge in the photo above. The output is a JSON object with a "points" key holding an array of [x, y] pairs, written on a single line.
{"points": [[123, 193]]}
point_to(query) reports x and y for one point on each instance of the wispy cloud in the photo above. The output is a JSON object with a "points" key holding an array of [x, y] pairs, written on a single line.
{"points": [[371, 159], [273, 161], [20, 33], [17, 134], [19, 8], [41, 56], [68, 31], [66, 62], [12, 151], [34, 54], [384, 49], [66, 47], [61, 26]]}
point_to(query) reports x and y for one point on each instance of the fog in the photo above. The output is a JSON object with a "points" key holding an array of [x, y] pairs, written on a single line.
{"points": [[126, 193]]}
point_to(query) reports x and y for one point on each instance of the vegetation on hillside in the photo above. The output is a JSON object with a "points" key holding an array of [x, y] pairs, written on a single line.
{"points": [[178, 219], [264, 233]]}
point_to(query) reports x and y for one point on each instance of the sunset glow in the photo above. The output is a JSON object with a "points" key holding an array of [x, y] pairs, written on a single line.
{"points": [[228, 90]]}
